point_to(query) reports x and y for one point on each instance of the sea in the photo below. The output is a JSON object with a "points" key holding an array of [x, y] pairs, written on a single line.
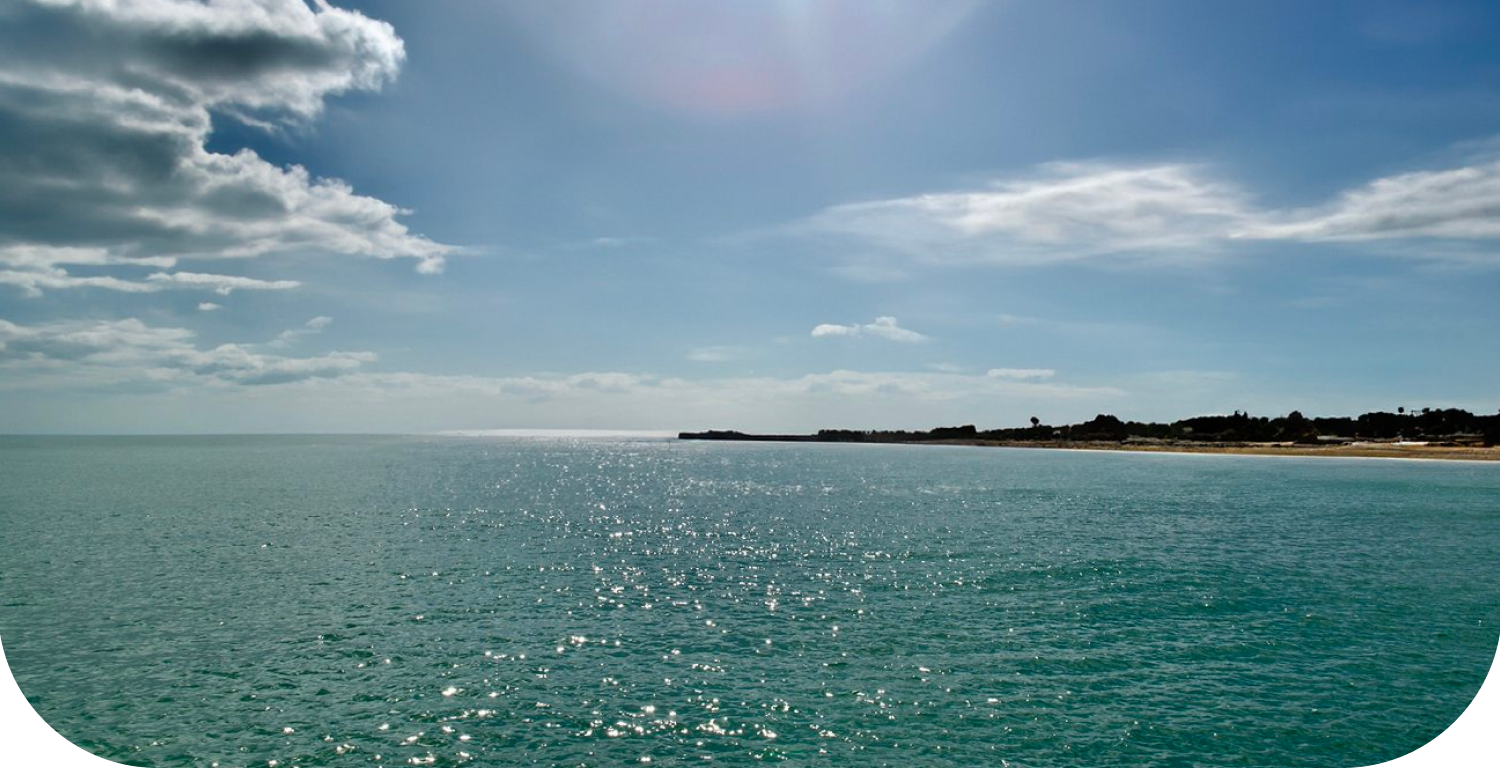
{"points": [[280, 601]]}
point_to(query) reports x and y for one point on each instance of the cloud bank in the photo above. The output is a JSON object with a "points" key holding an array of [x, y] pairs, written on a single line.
{"points": [[105, 111], [63, 363]]}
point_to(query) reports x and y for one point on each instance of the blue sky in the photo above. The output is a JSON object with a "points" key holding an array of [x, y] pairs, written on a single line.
{"points": [[262, 215]]}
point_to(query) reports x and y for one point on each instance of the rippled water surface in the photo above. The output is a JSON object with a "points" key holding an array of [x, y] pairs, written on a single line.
{"points": [[441, 601]]}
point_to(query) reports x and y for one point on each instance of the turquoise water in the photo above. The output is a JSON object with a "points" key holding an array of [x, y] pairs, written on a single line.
{"points": [[412, 601]]}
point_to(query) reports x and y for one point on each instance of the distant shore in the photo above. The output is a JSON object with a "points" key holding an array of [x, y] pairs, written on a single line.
{"points": [[1356, 449], [1348, 450]]}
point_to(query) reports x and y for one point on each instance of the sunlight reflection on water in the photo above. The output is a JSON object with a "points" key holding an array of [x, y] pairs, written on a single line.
{"points": [[437, 601]]}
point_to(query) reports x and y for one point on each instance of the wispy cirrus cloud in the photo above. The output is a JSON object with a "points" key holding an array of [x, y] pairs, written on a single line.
{"points": [[1020, 373], [1065, 211], [312, 327], [1452, 204], [1069, 212], [106, 109], [883, 328], [716, 354]]}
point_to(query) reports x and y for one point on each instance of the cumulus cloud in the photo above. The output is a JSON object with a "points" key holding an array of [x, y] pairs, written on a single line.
{"points": [[252, 54], [1076, 211], [105, 109], [883, 328], [828, 329], [108, 352]]}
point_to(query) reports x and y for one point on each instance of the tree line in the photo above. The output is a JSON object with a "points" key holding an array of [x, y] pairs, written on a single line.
{"points": [[1428, 424]]}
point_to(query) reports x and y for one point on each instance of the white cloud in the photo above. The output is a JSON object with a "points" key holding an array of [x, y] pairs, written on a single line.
{"points": [[42, 257], [1020, 373], [208, 306], [34, 282], [251, 54], [235, 363], [108, 107], [883, 328], [61, 340], [221, 284], [716, 354], [71, 353], [828, 329], [1460, 203], [1066, 211], [310, 328], [946, 367], [1164, 212]]}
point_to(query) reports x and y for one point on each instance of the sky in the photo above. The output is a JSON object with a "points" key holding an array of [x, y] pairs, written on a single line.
{"points": [[782, 215]]}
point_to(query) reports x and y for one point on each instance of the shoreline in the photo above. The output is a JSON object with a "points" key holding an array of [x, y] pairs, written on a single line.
{"points": [[1355, 450], [1345, 451]]}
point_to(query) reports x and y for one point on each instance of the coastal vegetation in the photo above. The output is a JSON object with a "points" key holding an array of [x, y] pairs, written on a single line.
{"points": [[1445, 426]]}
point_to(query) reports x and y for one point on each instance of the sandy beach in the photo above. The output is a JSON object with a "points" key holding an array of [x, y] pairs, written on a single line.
{"points": [[1350, 450]]}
